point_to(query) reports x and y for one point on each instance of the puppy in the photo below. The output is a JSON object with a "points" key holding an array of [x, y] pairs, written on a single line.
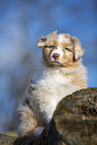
{"points": [[63, 74]]}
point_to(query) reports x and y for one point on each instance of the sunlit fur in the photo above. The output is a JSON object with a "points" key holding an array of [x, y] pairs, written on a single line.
{"points": [[63, 74]]}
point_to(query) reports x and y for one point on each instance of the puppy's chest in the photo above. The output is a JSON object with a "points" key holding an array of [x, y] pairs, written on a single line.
{"points": [[55, 85], [50, 91]]}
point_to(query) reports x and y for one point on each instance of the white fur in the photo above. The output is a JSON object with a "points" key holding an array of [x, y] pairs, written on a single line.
{"points": [[61, 38], [51, 88], [59, 51]]}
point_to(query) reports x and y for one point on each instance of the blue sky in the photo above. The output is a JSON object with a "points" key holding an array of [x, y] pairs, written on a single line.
{"points": [[21, 25]]}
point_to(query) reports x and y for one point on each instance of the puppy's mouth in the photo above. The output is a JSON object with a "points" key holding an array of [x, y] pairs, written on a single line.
{"points": [[55, 62]]}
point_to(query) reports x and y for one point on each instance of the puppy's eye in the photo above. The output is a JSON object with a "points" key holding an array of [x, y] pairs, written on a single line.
{"points": [[66, 49], [52, 46]]}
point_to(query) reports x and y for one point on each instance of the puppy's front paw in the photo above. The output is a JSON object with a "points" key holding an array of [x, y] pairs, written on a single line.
{"points": [[38, 131]]}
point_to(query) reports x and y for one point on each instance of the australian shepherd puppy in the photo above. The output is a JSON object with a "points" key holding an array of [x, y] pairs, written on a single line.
{"points": [[63, 74]]}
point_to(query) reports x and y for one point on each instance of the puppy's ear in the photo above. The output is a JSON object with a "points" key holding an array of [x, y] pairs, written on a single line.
{"points": [[78, 50], [42, 41], [67, 35]]}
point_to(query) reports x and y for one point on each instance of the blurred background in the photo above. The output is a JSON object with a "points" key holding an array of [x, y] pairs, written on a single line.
{"points": [[22, 22]]}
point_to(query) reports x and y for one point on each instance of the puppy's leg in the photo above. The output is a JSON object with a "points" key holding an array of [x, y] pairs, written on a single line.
{"points": [[27, 121]]}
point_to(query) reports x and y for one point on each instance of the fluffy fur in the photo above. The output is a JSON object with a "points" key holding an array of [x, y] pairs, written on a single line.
{"points": [[63, 74]]}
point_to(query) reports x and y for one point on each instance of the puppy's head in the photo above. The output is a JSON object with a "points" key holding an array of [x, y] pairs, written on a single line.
{"points": [[60, 49]]}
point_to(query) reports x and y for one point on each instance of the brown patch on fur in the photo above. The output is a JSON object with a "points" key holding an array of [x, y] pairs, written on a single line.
{"points": [[30, 132], [79, 82], [67, 59], [67, 45], [46, 52], [32, 119], [52, 41]]}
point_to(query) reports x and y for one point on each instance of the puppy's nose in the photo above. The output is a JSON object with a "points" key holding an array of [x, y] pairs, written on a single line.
{"points": [[55, 55]]}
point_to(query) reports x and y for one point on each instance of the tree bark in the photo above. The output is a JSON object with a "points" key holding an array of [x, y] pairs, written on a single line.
{"points": [[74, 123]]}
